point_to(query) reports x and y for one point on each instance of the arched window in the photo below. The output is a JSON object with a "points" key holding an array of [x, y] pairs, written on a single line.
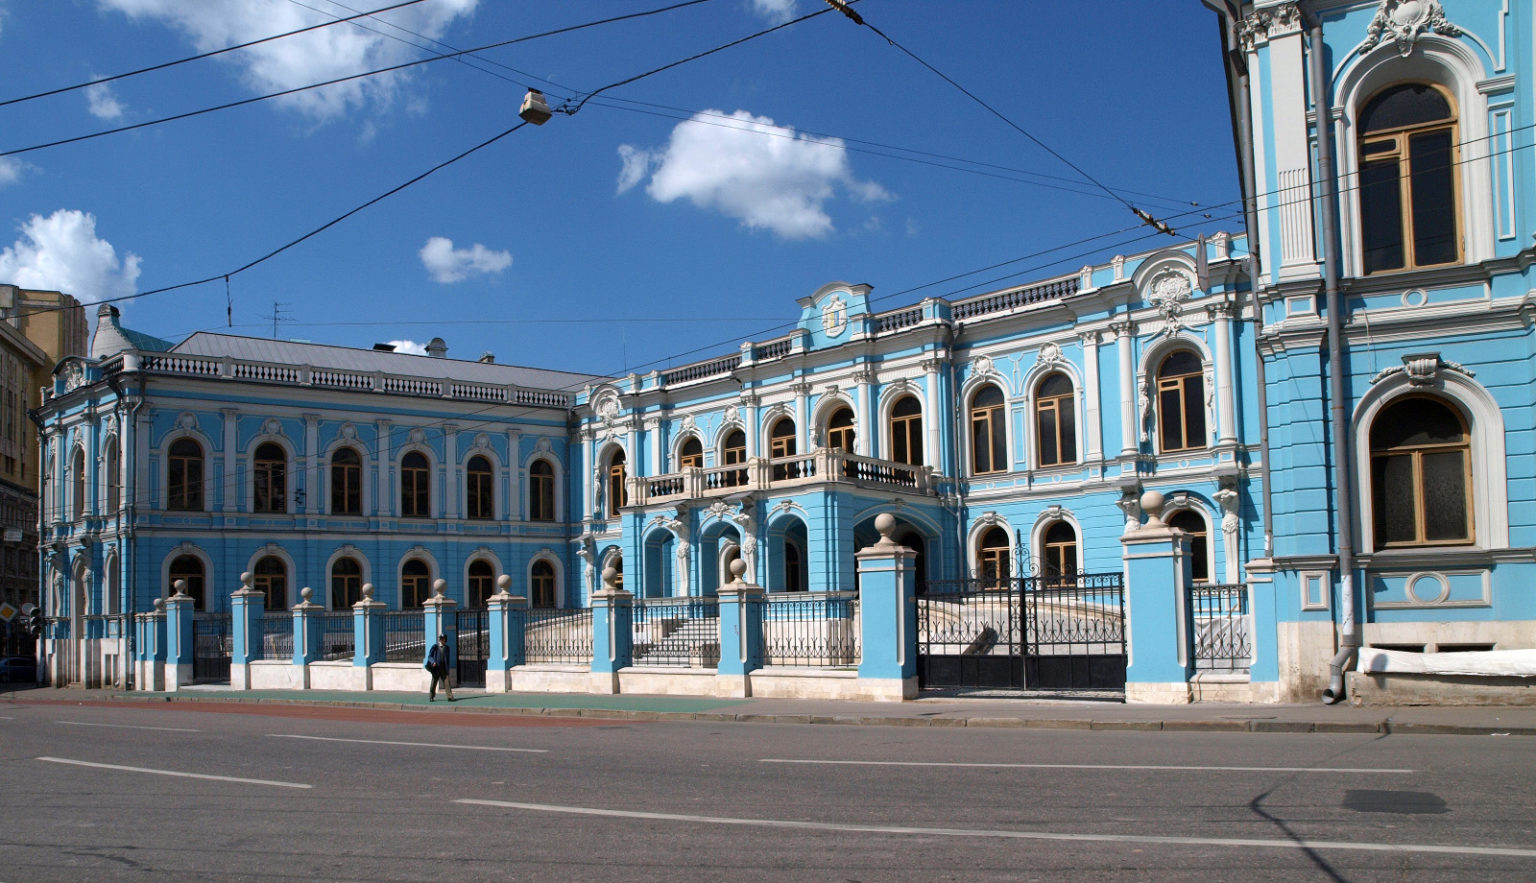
{"points": [[541, 491], [346, 482], [618, 494], [733, 452], [479, 499], [113, 468], [691, 454], [1408, 200], [1180, 402], [781, 443], [1191, 523], [184, 485], [77, 484], [992, 559], [541, 584], [190, 569], [1421, 487], [1055, 421], [989, 434], [794, 567], [840, 430], [271, 576], [482, 582], [1060, 553], [346, 583], [415, 486], [907, 431], [415, 583], [271, 475]]}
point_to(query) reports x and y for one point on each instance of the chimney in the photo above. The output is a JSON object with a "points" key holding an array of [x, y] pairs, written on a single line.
{"points": [[487, 358], [436, 348]]}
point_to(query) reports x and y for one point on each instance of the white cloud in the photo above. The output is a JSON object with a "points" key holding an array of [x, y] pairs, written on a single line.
{"points": [[104, 105], [766, 176], [10, 170], [776, 11], [316, 56], [448, 264], [409, 347], [61, 253]]}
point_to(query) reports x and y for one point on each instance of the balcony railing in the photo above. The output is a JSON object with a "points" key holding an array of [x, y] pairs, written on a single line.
{"points": [[822, 465]]}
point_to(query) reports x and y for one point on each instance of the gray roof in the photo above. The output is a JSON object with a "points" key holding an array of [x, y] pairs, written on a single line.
{"points": [[317, 355]]}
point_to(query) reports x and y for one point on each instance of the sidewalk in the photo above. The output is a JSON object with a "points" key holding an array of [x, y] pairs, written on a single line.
{"points": [[934, 709]]}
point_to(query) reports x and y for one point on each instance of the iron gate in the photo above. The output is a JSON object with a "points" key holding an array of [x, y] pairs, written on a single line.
{"points": [[1060, 633], [213, 643], [473, 627]]}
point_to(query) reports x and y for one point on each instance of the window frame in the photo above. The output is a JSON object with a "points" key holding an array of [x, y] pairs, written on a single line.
{"points": [[191, 497], [479, 489], [542, 584], [343, 593], [1401, 154], [1179, 384], [905, 429], [262, 582], [541, 490], [993, 421], [269, 479], [346, 481], [414, 586], [415, 485], [1415, 453], [1062, 408]]}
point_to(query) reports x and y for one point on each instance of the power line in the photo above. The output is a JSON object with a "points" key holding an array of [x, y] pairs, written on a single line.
{"points": [[168, 64]]}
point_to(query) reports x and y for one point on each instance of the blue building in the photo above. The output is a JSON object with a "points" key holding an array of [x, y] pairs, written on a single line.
{"points": [[1328, 418]]}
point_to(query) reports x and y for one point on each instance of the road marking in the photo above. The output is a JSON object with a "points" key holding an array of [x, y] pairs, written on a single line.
{"points": [[411, 744], [130, 727], [1359, 846], [1095, 766], [177, 773]]}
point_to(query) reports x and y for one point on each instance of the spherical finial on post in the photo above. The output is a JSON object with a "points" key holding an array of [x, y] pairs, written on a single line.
{"points": [[180, 587], [738, 567], [438, 585], [245, 580], [1152, 504], [610, 578], [367, 591], [885, 523], [306, 593], [504, 583], [159, 605]]}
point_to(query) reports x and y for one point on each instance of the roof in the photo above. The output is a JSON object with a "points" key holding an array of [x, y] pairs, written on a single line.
{"points": [[288, 352]]}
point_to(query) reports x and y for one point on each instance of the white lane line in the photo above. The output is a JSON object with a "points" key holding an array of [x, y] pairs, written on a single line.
{"points": [[1095, 766], [129, 727], [1236, 842], [411, 744], [7, 718], [177, 773]]}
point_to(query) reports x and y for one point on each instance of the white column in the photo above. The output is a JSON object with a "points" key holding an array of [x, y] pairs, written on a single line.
{"points": [[864, 434], [230, 485], [1093, 424], [1226, 398], [933, 413], [586, 477], [451, 471], [1128, 429], [514, 491], [313, 487], [802, 392], [384, 502], [751, 415]]}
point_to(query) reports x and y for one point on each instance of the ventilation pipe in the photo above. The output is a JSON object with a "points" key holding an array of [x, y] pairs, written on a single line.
{"points": [[1349, 637], [436, 348]]}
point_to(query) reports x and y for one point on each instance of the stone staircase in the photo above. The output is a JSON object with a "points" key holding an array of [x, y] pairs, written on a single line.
{"points": [[686, 643]]}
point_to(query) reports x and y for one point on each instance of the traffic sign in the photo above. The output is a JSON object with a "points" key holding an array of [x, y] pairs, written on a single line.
{"points": [[7, 611]]}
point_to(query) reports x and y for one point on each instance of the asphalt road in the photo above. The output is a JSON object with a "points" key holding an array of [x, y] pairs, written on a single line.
{"points": [[266, 793]]}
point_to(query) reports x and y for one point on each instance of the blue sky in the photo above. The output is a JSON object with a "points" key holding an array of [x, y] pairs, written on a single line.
{"points": [[669, 219]]}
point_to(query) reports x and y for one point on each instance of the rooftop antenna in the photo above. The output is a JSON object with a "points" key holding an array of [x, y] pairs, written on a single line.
{"points": [[277, 316]]}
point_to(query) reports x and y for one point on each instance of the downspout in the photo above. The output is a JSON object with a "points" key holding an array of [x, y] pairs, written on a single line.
{"points": [[1349, 639]]}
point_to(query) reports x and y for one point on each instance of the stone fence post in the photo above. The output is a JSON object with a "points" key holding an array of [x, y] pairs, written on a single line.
{"points": [[888, 616], [508, 615], [741, 632], [1157, 577], [247, 611], [179, 649], [613, 637]]}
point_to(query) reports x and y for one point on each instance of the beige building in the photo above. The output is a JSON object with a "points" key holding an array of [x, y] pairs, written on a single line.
{"points": [[37, 328]]}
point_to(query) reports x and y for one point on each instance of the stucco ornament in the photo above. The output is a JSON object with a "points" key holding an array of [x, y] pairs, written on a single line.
{"points": [[1422, 369], [607, 405], [74, 376], [834, 316], [1050, 355], [1168, 291], [1404, 21]]}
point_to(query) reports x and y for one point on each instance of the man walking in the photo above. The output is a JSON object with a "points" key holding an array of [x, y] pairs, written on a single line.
{"points": [[437, 666]]}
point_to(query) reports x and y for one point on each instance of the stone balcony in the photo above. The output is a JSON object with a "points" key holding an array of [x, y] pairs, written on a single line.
{"points": [[821, 466]]}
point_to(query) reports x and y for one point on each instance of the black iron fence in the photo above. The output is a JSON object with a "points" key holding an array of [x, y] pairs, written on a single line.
{"points": [[405, 636], [474, 631], [558, 637], [277, 636], [213, 641], [677, 632], [338, 634], [811, 629], [1221, 627]]}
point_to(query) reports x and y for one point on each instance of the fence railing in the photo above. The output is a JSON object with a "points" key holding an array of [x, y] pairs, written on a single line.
{"points": [[811, 629], [1222, 627], [277, 636], [338, 635], [405, 636], [677, 632], [555, 636]]}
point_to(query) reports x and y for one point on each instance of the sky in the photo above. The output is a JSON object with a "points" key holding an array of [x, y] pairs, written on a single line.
{"points": [[684, 195]]}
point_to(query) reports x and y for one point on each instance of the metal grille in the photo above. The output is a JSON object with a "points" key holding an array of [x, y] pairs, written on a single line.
{"points": [[474, 638], [558, 637], [1222, 627], [405, 636], [677, 632], [277, 637], [1035, 632], [804, 629], [338, 634], [212, 644]]}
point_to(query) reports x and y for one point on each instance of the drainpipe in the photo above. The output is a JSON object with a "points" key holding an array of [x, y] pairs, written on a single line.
{"points": [[1349, 638]]}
